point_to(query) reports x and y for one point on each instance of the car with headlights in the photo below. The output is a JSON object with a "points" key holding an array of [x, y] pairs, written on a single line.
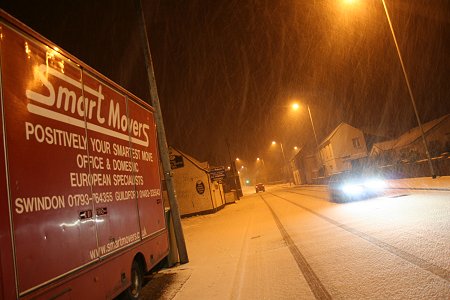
{"points": [[259, 187], [349, 186]]}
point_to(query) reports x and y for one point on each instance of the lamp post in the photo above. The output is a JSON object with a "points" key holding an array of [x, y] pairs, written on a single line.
{"points": [[405, 75], [296, 106], [286, 167], [260, 170], [237, 182], [411, 96]]}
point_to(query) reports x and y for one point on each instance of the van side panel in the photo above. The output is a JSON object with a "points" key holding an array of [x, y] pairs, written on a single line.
{"points": [[7, 276], [53, 231], [149, 195], [80, 184]]}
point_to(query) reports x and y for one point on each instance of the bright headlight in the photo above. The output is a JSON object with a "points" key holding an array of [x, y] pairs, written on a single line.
{"points": [[352, 189], [375, 184]]}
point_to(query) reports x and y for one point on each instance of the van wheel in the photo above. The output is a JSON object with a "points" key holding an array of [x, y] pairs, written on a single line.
{"points": [[137, 278]]}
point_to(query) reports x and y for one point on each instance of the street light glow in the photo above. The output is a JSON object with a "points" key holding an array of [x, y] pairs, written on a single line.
{"points": [[295, 106], [405, 75], [274, 143]]}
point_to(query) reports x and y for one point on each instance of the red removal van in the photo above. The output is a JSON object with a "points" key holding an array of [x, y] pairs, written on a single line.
{"points": [[81, 210]]}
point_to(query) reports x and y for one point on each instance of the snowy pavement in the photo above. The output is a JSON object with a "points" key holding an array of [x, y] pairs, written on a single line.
{"points": [[236, 254], [420, 183], [424, 183], [291, 243]]}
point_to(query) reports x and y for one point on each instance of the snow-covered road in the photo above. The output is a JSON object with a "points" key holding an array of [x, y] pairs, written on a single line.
{"points": [[291, 243]]}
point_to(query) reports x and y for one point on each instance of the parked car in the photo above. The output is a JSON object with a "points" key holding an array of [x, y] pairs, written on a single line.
{"points": [[348, 186], [259, 187]]}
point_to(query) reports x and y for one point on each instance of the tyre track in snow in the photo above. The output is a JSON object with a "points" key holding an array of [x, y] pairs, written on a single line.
{"points": [[239, 275], [309, 195], [417, 261], [316, 286]]}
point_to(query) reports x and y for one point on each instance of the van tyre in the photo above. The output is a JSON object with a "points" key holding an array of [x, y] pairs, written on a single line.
{"points": [[137, 278]]}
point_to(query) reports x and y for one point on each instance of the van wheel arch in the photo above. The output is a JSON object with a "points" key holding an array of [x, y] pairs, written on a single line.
{"points": [[137, 271]]}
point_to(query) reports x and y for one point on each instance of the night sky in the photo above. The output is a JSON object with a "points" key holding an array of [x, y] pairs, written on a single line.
{"points": [[229, 69]]}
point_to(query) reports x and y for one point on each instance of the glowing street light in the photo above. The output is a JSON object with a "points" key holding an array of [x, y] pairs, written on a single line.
{"points": [[260, 160], [433, 174], [296, 106], [260, 170], [282, 150], [284, 156], [405, 75]]}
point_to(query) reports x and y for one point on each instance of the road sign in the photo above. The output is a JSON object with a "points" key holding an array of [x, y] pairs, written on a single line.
{"points": [[176, 161], [217, 173]]}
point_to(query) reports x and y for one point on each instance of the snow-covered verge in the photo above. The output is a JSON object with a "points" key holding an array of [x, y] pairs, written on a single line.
{"points": [[440, 183]]}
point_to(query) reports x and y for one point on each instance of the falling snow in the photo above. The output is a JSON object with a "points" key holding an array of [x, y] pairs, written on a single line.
{"points": [[229, 69]]}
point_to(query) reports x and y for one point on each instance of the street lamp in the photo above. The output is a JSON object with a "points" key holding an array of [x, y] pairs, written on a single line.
{"points": [[260, 160], [405, 75], [282, 150], [286, 167], [260, 170], [296, 106], [411, 96]]}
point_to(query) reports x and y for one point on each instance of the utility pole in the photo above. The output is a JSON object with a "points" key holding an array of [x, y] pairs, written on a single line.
{"points": [[162, 142]]}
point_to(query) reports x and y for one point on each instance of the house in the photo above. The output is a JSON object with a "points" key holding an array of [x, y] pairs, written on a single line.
{"points": [[342, 146], [305, 166], [409, 146], [196, 192], [380, 147]]}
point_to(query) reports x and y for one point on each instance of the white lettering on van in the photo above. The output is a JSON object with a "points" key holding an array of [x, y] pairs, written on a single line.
{"points": [[31, 204], [56, 105]]}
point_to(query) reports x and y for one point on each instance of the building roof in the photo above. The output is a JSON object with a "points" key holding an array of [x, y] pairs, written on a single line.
{"points": [[383, 146], [333, 133], [414, 134], [409, 137], [201, 165]]}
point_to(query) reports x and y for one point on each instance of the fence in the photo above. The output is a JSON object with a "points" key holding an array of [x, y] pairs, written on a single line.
{"points": [[419, 168]]}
